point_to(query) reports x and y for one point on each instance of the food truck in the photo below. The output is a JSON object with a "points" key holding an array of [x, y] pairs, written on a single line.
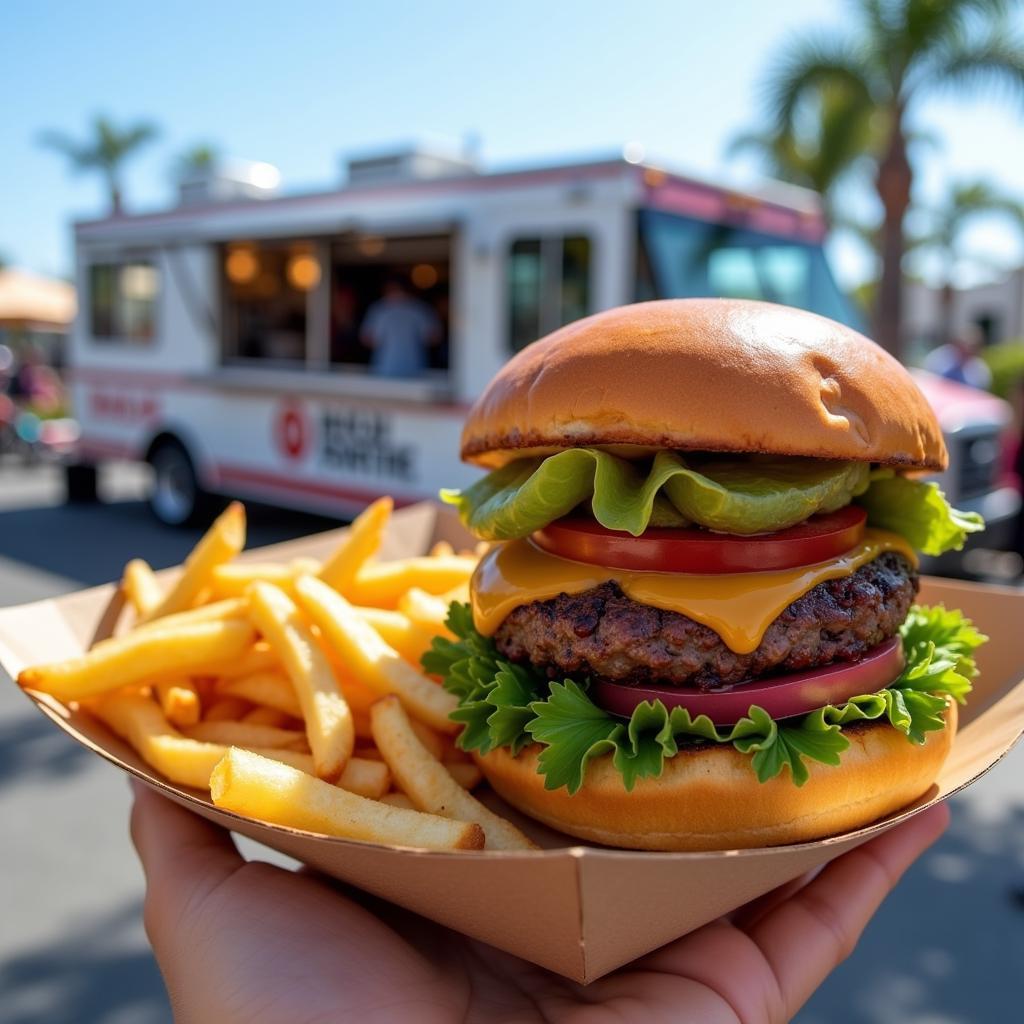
{"points": [[220, 341]]}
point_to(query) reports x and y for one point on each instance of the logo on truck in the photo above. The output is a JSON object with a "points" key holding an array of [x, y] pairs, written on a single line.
{"points": [[291, 430], [363, 442]]}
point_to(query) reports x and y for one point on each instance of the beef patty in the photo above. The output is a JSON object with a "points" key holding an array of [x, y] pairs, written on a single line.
{"points": [[603, 634]]}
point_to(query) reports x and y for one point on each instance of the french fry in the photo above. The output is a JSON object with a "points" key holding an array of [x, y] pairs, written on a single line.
{"points": [[241, 734], [260, 788], [459, 594], [140, 587], [218, 611], [465, 773], [426, 611], [258, 659], [140, 722], [233, 579], [224, 540], [397, 799], [179, 700], [428, 783], [441, 549], [304, 566], [128, 659], [328, 718], [267, 716], [226, 709], [408, 638], [369, 659], [432, 741], [382, 584], [272, 689], [359, 546]]}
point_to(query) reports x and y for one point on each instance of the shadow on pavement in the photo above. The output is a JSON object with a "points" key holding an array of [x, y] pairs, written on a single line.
{"points": [[91, 543], [90, 977], [31, 748], [948, 945]]}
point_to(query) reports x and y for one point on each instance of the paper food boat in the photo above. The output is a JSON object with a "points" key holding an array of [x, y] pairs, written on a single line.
{"points": [[579, 910]]}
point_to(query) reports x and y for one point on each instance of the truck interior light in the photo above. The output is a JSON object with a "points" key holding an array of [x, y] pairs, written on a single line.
{"points": [[424, 275], [303, 272], [242, 265]]}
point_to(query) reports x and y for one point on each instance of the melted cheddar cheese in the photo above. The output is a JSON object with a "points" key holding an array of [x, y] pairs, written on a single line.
{"points": [[739, 607]]}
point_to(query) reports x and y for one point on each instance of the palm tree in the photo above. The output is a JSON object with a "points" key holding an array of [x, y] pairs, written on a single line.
{"points": [[902, 50], [965, 202], [824, 151], [196, 160], [105, 151]]}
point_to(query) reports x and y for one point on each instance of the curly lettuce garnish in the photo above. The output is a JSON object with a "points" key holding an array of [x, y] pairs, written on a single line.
{"points": [[506, 705]]}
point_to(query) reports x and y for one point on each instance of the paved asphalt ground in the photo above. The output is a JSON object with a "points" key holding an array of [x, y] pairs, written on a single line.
{"points": [[948, 947]]}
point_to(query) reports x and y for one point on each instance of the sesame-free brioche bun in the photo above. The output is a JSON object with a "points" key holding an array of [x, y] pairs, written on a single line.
{"points": [[717, 375], [708, 798]]}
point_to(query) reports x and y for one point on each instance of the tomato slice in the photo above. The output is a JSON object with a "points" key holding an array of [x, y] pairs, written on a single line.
{"points": [[784, 696], [816, 539]]}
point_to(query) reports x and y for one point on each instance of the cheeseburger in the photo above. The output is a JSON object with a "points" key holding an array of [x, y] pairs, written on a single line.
{"points": [[696, 625]]}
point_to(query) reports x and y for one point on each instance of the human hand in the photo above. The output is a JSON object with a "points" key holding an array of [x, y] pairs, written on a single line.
{"points": [[246, 941]]}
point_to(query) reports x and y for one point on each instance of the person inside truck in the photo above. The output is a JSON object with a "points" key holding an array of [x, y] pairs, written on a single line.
{"points": [[399, 329], [958, 359]]}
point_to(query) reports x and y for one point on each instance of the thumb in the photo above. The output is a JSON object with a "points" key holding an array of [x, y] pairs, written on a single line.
{"points": [[184, 858]]}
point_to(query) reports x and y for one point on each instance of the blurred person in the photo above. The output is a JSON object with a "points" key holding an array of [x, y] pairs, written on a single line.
{"points": [[958, 359], [399, 329], [246, 941]]}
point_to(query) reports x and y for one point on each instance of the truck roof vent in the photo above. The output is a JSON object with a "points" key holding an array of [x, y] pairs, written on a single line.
{"points": [[227, 181], [408, 163]]}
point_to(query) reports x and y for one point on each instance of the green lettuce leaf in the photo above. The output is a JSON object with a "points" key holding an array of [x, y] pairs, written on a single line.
{"points": [[919, 511], [505, 705], [752, 495]]}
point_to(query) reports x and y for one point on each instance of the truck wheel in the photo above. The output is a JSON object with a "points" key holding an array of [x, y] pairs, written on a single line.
{"points": [[176, 498], [79, 483]]}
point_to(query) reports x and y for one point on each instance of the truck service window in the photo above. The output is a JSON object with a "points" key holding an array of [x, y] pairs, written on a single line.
{"points": [[548, 285], [122, 302], [266, 289], [680, 257]]}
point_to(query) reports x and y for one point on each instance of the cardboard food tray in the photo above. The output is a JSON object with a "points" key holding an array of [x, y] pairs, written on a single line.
{"points": [[579, 910]]}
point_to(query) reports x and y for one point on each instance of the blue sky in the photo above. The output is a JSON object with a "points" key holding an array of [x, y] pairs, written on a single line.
{"points": [[300, 84]]}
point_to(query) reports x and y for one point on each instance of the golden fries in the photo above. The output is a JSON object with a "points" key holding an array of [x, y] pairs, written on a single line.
{"points": [[428, 783], [266, 716], [273, 689], [361, 544], [190, 762], [370, 659], [328, 718], [141, 587], [234, 579], [241, 734], [226, 709], [259, 658], [124, 660], [397, 799], [219, 611], [425, 610], [221, 543], [179, 700], [396, 630], [465, 773], [248, 784], [255, 680], [383, 584]]}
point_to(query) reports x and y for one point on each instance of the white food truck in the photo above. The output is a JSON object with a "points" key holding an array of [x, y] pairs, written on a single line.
{"points": [[221, 341]]}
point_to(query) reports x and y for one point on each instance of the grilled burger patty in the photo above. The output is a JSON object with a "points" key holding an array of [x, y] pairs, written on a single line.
{"points": [[601, 633]]}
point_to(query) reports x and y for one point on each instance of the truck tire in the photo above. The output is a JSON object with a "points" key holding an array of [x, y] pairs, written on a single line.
{"points": [[80, 483], [175, 498]]}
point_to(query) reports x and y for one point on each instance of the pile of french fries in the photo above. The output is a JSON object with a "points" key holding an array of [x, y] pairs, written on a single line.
{"points": [[293, 692]]}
